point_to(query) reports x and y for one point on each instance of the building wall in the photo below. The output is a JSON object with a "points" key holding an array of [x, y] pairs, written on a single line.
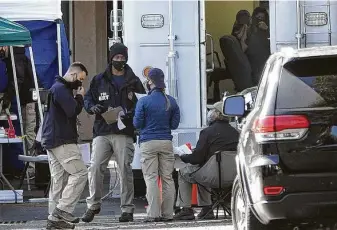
{"points": [[90, 48]]}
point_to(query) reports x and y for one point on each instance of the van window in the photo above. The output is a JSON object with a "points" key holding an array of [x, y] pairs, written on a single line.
{"points": [[308, 83]]}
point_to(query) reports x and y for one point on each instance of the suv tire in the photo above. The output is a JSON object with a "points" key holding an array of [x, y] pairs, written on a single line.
{"points": [[242, 216]]}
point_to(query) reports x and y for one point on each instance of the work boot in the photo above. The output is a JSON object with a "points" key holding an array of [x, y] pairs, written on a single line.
{"points": [[185, 214], [58, 213], [59, 224], [152, 219], [126, 217], [89, 215], [164, 219], [206, 213]]}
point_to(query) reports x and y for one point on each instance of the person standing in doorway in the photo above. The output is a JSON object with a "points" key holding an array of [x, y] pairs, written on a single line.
{"points": [[156, 115], [115, 87], [59, 138]]}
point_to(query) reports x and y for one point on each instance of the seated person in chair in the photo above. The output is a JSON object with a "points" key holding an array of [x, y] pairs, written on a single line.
{"points": [[219, 136]]}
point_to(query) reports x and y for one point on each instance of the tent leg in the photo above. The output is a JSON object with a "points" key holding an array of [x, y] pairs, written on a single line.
{"points": [[59, 50], [19, 107], [36, 85]]}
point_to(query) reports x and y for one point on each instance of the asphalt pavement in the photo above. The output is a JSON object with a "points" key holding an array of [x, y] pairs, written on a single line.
{"points": [[33, 215]]}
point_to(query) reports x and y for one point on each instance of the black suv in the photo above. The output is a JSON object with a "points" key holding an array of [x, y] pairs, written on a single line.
{"points": [[287, 153]]}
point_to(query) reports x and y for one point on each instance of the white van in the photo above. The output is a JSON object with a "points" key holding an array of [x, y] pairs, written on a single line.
{"points": [[180, 36]]}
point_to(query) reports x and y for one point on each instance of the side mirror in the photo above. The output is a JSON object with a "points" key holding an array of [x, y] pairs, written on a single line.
{"points": [[234, 106], [119, 20]]}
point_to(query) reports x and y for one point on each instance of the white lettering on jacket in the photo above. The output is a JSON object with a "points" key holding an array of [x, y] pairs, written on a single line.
{"points": [[103, 97]]}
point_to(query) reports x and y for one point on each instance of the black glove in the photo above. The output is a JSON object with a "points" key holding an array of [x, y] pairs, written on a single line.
{"points": [[97, 109], [184, 158], [127, 116]]}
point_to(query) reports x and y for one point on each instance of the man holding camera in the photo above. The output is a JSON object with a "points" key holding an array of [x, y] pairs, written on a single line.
{"points": [[115, 87], [59, 138]]}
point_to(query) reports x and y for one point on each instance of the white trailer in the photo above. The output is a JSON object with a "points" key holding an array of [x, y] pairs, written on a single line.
{"points": [[172, 35]]}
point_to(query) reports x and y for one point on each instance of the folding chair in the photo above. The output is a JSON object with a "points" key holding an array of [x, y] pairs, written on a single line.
{"points": [[218, 175], [36, 159]]}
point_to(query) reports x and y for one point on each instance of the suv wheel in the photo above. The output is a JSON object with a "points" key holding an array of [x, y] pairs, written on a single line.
{"points": [[242, 216]]}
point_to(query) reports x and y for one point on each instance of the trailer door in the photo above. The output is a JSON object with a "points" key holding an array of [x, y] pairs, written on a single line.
{"points": [[146, 30]]}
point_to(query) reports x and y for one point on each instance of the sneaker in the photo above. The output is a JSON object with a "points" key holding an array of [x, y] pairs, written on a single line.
{"points": [[163, 219], [185, 214], [206, 213], [58, 213], [176, 210], [126, 217], [89, 215], [152, 219], [60, 224]]}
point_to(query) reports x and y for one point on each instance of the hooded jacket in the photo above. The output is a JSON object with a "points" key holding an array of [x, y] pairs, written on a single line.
{"points": [[59, 124], [104, 91]]}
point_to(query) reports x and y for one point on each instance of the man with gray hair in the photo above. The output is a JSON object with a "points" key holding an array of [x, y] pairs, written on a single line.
{"points": [[59, 138], [219, 136]]}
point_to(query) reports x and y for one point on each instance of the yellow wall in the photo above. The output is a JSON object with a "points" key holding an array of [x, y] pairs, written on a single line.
{"points": [[220, 17]]}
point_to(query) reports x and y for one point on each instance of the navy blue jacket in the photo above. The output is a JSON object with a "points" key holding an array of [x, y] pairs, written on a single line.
{"points": [[152, 119], [104, 91], [59, 124]]}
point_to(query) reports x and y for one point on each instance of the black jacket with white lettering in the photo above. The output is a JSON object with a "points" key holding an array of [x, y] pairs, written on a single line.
{"points": [[104, 91]]}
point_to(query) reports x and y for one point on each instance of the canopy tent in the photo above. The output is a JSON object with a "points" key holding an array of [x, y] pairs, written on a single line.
{"points": [[29, 10], [43, 19], [14, 34], [50, 46]]}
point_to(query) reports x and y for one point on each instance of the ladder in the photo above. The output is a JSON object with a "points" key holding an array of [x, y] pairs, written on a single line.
{"points": [[315, 18]]}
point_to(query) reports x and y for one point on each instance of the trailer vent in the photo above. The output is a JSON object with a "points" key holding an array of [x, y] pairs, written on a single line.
{"points": [[316, 19]]}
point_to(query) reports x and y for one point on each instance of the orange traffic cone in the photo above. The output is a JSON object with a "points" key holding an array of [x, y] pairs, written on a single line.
{"points": [[194, 200]]}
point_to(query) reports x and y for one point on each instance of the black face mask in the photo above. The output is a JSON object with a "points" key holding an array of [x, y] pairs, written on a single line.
{"points": [[2, 54], [119, 65], [75, 85]]}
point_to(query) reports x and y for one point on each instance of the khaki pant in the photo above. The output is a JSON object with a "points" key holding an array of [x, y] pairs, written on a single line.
{"points": [[158, 159], [29, 124], [103, 149], [185, 181], [68, 177]]}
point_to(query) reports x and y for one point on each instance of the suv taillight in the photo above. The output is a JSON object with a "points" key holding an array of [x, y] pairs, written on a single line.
{"points": [[284, 127]]}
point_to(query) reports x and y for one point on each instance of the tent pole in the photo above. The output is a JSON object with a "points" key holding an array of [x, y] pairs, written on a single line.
{"points": [[36, 84], [59, 51], [19, 107]]}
